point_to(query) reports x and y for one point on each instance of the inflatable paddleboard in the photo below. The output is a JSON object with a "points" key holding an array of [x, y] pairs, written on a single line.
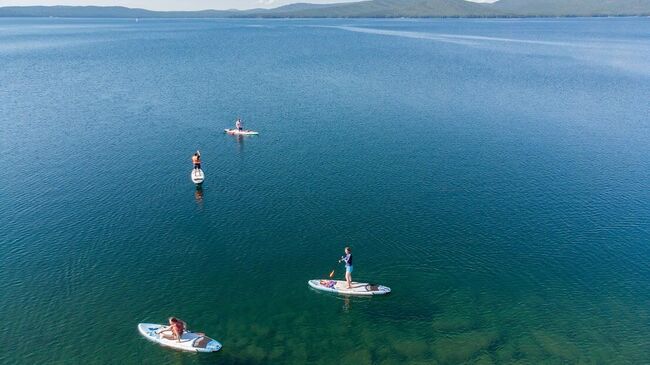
{"points": [[190, 341], [237, 132], [341, 287], [197, 176]]}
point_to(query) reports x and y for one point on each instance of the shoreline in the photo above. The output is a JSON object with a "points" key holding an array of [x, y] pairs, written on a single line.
{"points": [[321, 18]]}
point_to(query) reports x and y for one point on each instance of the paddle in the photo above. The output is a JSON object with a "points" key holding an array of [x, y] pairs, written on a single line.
{"points": [[332, 273]]}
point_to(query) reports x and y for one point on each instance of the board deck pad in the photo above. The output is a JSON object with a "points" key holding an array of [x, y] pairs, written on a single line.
{"points": [[340, 287], [245, 132], [197, 176], [190, 341]]}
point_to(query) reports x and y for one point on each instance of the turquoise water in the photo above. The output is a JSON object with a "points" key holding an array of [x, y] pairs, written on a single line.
{"points": [[494, 173]]}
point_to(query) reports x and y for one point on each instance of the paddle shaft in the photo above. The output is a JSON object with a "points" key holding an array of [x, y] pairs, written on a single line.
{"points": [[332, 273]]}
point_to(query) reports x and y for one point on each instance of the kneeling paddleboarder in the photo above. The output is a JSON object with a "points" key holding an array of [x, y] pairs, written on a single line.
{"points": [[176, 327]]}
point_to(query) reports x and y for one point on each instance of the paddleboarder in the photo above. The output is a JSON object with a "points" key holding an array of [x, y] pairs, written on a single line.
{"points": [[348, 266], [176, 327], [196, 160]]}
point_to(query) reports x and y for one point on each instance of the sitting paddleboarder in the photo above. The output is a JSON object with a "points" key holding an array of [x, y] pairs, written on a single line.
{"points": [[348, 266], [239, 125], [328, 283], [176, 327], [196, 160]]}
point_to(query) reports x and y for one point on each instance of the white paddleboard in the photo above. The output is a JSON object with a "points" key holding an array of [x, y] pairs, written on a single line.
{"points": [[341, 287], [244, 132], [197, 176], [190, 341]]}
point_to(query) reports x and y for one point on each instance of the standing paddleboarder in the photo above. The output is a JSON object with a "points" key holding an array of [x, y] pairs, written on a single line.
{"points": [[348, 266], [196, 160]]}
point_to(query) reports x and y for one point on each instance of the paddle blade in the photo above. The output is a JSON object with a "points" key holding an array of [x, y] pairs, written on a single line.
{"points": [[332, 274]]}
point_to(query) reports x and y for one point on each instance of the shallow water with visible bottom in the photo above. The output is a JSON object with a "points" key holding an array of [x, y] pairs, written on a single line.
{"points": [[494, 173]]}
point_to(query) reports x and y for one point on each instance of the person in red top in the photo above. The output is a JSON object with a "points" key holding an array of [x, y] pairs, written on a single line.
{"points": [[176, 327]]}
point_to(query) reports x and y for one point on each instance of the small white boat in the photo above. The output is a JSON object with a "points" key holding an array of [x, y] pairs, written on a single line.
{"points": [[244, 132], [341, 287], [190, 341], [197, 176]]}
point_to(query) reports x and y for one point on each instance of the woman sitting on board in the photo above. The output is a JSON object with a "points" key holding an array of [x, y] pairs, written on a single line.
{"points": [[239, 125], [176, 327], [348, 266], [196, 160]]}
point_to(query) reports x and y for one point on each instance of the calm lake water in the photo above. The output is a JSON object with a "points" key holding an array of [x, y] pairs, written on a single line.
{"points": [[494, 173]]}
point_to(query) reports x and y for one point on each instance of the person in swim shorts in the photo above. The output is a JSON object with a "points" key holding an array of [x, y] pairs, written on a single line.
{"points": [[196, 160], [348, 266]]}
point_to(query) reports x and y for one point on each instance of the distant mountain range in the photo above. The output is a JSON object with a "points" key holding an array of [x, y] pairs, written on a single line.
{"points": [[573, 7], [362, 9]]}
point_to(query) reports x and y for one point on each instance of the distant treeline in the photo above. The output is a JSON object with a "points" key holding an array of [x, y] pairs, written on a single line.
{"points": [[362, 9]]}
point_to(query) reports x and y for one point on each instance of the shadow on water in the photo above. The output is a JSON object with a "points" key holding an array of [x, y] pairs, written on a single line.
{"points": [[220, 357], [424, 312], [240, 141], [349, 301], [225, 358], [198, 194]]}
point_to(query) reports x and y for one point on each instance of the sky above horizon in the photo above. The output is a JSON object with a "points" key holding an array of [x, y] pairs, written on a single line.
{"points": [[177, 5]]}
